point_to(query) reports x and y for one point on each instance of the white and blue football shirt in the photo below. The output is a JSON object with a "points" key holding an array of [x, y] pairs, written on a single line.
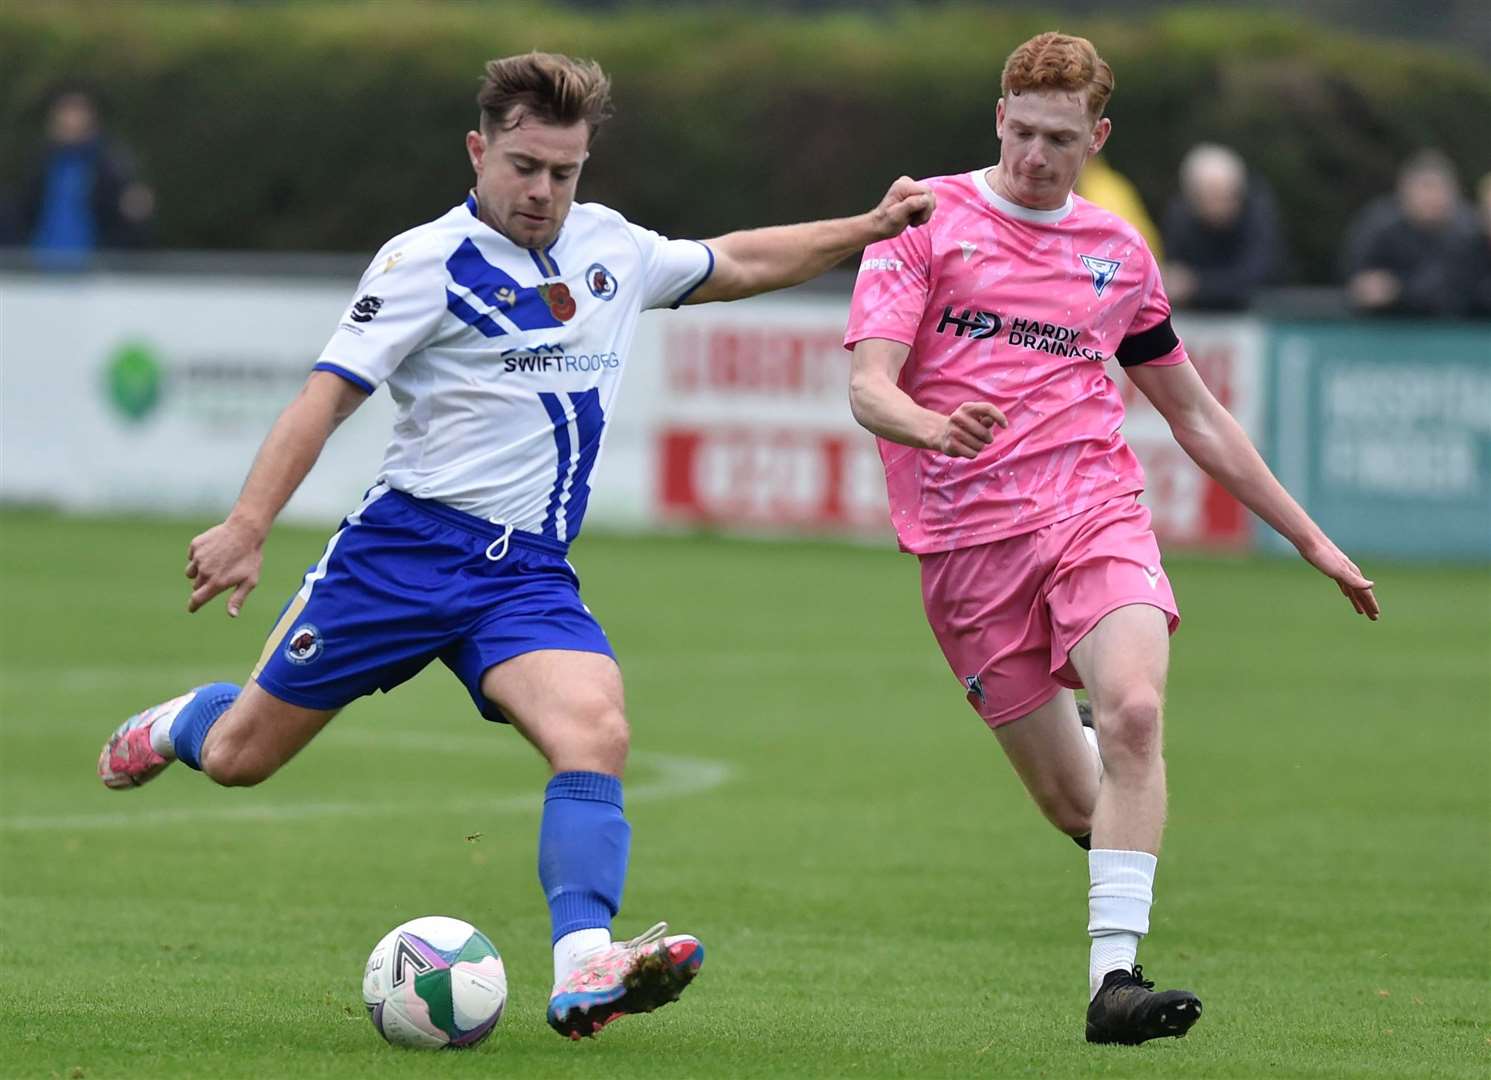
{"points": [[504, 362]]}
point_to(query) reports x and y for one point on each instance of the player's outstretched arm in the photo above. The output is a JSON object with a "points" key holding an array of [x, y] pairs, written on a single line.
{"points": [[1216, 442], [228, 556], [760, 260], [882, 407]]}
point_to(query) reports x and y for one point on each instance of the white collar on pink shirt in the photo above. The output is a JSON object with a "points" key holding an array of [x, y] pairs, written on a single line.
{"points": [[1015, 210]]}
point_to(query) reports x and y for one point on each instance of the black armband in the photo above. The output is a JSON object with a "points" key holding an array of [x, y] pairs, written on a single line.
{"points": [[1159, 340]]}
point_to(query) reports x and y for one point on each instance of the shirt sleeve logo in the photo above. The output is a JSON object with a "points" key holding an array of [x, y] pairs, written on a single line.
{"points": [[366, 308], [601, 281], [1103, 271]]}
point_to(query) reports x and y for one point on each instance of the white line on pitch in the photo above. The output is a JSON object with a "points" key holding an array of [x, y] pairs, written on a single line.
{"points": [[676, 776]]}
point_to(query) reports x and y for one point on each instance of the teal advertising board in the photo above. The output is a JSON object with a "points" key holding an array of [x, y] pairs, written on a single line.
{"points": [[1383, 431]]}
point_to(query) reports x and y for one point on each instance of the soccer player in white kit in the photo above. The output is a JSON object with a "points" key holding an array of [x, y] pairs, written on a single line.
{"points": [[980, 341], [502, 329]]}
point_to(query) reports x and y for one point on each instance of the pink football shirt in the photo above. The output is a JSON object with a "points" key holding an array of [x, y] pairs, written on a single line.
{"points": [[1021, 308]]}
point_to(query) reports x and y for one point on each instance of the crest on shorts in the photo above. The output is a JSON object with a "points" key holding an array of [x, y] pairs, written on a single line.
{"points": [[304, 644], [1103, 271], [975, 687]]}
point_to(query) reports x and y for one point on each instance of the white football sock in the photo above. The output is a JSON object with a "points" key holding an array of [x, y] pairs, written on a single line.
{"points": [[1092, 740], [160, 727], [569, 949], [1118, 910]]}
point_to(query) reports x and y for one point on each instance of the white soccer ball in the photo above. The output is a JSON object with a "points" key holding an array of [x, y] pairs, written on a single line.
{"points": [[434, 982]]}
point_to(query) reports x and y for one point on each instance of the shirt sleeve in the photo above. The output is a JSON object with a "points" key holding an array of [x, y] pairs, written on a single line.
{"points": [[891, 289], [1151, 338], [397, 306], [671, 269]]}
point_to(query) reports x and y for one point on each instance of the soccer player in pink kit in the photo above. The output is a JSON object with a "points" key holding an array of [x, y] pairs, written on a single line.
{"points": [[980, 341]]}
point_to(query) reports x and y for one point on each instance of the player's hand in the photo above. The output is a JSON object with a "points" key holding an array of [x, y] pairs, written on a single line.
{"points": [[969, 429], [226, 556], [908, 203], [1333, 563]]}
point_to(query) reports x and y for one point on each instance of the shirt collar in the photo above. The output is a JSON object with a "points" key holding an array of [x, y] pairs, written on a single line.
{"points": [[1015, 210]]}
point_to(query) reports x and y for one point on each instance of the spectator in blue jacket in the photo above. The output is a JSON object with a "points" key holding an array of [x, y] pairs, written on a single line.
{"points": [[85, 194]]}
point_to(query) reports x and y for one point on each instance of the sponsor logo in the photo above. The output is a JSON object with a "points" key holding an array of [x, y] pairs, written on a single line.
{"points": [[392, 261], [975, 687], [1102, 270], [560, 363], [304, 644], [134, 380], [968, 249], [1152, 575], [881, 263], [1050, 338], [602, 282], [976, 324], [366, 308], [561, 303]]}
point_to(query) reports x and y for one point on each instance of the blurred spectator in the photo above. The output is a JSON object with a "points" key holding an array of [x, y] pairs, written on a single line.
{"points": [[1221, 232], [84, 194], [1101, 184], [1480, 255], [1408, 253]]}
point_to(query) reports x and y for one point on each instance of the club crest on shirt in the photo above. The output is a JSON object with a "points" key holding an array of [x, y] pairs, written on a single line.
{"points": [[1103, 271], [561, 303], [304, 644], [601, 281]]}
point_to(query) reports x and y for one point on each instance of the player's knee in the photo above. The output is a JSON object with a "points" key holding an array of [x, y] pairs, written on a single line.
{"points": [[1129, 725], [595, 738]]}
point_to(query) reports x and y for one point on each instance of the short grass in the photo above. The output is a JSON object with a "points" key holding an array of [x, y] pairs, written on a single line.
{"points": [[809, 794]]}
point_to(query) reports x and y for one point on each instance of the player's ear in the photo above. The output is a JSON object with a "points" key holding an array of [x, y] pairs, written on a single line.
{"points": [[476, 146], [999, 119], [1100, 134]]}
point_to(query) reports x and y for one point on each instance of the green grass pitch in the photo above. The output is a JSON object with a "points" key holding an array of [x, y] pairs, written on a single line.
{"points": [[809, 794]]}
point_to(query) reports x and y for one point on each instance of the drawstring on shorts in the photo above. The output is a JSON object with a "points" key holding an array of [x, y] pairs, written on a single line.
{"points": [[502, 542]]}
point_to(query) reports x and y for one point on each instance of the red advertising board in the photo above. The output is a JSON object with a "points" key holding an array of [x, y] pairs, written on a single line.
{"points": [[752, 430]]}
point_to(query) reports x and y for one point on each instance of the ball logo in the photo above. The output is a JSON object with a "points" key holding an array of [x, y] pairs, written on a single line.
{"points": [[561, 303], [601, 281], [304, 645], [408, 961]]}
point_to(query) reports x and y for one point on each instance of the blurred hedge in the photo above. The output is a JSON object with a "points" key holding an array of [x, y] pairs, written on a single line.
{"points": [[332, 126]]}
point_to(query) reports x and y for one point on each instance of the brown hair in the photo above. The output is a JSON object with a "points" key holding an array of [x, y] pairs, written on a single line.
{"points": [[549, 87], [1053, 61]]}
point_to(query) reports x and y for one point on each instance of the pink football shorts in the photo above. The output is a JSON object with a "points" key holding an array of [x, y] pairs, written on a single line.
{"points": [[1008, 613]]}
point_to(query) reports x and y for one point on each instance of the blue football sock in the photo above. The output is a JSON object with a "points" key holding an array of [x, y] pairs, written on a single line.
{"points": [[193, 722], [583, 845]]}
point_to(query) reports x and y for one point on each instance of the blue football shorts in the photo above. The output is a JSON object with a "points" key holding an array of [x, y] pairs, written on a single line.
{"points": [[405, 581]]}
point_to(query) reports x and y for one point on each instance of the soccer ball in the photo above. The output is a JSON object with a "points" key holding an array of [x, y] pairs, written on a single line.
{"points": [[434, 982]]}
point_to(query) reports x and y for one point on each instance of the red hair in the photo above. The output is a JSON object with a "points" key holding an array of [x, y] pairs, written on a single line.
{"points": [[1053, 61]]}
